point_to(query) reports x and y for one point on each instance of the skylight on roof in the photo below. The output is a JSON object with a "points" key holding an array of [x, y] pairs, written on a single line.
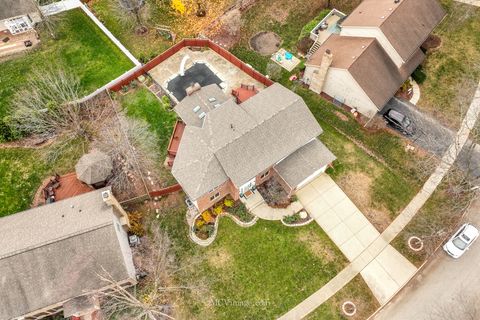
{"points": [[212, 99], [202, 115], [216, 105], [196, 109]]}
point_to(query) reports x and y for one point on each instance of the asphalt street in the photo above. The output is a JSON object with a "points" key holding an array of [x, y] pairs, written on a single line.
{"points": [[445, 289]]}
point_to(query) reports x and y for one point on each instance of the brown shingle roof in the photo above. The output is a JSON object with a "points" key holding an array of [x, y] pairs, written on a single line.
{"points": [[368, 63], [406, 24]]}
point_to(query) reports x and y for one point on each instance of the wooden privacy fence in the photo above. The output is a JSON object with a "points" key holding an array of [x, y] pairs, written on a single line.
{"points": [[206, 43], [165, 191]]}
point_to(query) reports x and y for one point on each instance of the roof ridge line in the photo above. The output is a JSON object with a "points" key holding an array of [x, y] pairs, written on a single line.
{"points": [[256, 125], [46, 243], [398, 5]]}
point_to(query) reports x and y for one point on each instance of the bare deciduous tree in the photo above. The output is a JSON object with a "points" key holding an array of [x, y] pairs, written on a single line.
{"points": [[132, 13], [152, 302], [50, 22], [47, 106], [132, 147]]}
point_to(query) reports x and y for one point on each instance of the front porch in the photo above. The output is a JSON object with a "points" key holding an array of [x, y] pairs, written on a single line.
{"points": [[14, 43], [257, 205]]}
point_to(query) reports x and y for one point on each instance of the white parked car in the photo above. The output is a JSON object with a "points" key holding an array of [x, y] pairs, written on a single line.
{"points": [[461, 240]]}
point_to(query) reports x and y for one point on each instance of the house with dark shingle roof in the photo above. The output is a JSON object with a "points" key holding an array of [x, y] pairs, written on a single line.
{"points": [[51, 256], [227, 149], [376, 51]]}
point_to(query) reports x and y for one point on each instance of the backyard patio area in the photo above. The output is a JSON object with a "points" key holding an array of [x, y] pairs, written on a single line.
{"points": [[203, 66]]}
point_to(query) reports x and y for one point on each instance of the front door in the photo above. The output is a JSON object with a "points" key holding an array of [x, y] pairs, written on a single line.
{"points": [[247, 187]]}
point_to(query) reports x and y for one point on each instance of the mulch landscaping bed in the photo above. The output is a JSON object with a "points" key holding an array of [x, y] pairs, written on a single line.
{"points": [[274, 194]]}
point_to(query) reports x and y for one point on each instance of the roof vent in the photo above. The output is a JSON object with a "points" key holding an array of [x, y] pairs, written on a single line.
{"points": [[382, 17], [396, 1], [363, 47], [202, 115], [196, 109]]}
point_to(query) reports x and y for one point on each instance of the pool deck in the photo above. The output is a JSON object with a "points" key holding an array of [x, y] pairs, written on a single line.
{"points": [[231, 76]]}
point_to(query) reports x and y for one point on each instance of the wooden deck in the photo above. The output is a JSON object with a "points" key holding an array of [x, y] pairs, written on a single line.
{"points": [[70, 186]]}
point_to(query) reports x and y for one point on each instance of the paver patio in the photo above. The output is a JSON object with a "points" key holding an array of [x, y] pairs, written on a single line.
{"points": [[353, 234], [232, 76]]}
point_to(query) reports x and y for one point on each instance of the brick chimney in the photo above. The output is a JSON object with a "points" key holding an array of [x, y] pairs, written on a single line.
{"points": [[319, 75]]}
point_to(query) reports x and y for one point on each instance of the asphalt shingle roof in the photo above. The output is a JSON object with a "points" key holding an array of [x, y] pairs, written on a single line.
{"points": [[239, 141]]}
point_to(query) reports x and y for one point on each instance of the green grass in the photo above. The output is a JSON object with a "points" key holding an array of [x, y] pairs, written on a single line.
{"points": [[142, 47], [453, 70], [81, 48], [355, 291], [435, 222], [141, 103], [269, 265], [22, 171]]}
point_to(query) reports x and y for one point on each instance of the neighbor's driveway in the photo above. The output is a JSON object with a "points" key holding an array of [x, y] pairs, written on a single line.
{"points": [[353, 233], [434, 137], [440, 284]]}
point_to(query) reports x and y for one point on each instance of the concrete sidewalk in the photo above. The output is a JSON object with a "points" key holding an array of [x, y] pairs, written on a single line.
{"points": [[353, 233], [381, 243]]}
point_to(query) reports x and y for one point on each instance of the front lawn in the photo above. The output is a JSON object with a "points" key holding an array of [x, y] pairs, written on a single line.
{"points": [[453, 70], [436, 221], [22, 170], [251, 273], [81, 48]]}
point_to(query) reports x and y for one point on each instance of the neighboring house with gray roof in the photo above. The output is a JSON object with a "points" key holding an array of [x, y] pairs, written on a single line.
{"points": [[236, 147], [376, 51], [18, 16], [54, 253]]}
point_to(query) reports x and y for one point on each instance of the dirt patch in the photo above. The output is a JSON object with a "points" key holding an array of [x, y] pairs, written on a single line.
{"points": [[357, 186], [266, 43], [278, 14], [219, 258], [341, 116], [226, 30], [317, 247], [432, 42]]}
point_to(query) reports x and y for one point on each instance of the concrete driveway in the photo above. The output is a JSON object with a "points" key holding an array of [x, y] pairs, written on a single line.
{"points": [[432, 136], [445, 283], [353, 233]]}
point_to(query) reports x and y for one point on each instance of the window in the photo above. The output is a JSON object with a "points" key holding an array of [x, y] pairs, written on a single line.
{"points": [[266, 173], [215, 196]]}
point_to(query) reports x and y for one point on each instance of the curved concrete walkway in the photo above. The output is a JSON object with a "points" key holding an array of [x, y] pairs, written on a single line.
{"points": [[377, 247], [259, 208]]}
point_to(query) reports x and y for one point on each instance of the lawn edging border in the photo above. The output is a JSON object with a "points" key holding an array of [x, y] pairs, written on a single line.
{"points": [[209, 241], [301, 224]]}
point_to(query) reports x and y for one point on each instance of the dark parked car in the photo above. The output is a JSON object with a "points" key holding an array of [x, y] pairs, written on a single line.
{"points": [[399, 121]]}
